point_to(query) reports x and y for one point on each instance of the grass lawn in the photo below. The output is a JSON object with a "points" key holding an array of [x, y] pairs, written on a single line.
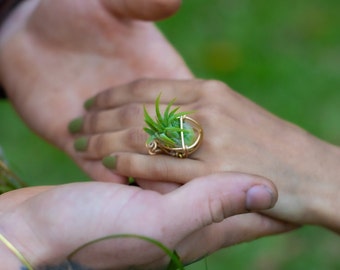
{"points": [[284, 55]]}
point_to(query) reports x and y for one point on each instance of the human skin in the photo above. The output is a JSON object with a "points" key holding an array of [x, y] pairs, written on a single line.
{"points": [[46, 224], [238, 136], [56, 54]]}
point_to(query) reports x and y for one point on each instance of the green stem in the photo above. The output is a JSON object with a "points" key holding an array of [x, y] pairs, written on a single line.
{"points": [[175, 262]]}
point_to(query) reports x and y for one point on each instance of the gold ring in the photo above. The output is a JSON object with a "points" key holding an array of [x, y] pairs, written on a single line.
{"points": [[183, 148]]}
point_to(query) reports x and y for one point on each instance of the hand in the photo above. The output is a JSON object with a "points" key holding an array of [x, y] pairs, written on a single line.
{"points": [[56, 54], [238, 136], [47, 223]]}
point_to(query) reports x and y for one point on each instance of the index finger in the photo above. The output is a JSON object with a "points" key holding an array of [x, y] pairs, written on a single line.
{"points": [[146, 91]]}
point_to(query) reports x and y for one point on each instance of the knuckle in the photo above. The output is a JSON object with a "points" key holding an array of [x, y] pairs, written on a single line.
{"points": [[160, 169], [214, 90], [126, 165], [128, 114], [214, 87], [207, 113], [99, 146], [135, 137], [218, 209], [216, 109], [105, 99], [91, 122], [137, 87]]}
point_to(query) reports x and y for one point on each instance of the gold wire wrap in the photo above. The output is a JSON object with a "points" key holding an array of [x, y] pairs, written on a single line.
{"points": [[16, 252], [157, 147]]}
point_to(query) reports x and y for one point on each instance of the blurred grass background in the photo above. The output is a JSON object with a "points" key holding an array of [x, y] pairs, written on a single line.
{"points": [[284, 55]]}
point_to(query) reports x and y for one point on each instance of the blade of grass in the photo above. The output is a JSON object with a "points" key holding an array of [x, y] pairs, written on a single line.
{"points": [[175, 262], [173, 265], [8, 180]]}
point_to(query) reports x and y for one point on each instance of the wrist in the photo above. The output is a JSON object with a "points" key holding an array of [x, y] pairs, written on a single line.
{"points": [[307, 177], [324, 187]]}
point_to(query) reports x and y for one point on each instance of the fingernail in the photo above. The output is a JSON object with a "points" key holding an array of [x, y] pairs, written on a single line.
{"points": [[109, 162], [260, 197], [81, 143], [76, 125], [89, 103]]}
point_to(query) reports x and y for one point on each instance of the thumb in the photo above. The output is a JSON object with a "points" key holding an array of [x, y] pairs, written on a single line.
{"points": [[149, 10], [211, 199]]}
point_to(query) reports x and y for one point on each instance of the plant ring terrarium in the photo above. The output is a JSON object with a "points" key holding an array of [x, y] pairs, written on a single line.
{"points": [[173, 133]]}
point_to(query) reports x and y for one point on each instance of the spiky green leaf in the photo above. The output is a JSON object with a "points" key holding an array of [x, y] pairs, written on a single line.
{"points": [[158, 112], [166, 127], [165, 139], [149, 131], [167, 110], [150, 122]]}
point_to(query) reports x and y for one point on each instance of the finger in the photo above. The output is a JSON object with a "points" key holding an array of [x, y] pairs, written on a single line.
{"points": [[145, 91], [96, 171], [110, 120], [247, 227], [207, 202], [115, 119], [211, 199], [156, 168], [143, 9], [234, 230], [226, 194], [100, 145]]}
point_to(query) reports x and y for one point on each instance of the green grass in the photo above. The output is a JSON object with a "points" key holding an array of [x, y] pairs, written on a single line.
{"points": [[284, 55], [33, 160]]}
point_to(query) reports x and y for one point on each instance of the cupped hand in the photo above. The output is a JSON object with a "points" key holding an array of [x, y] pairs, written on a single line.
{"points": [[48, 223], [56, 54], [238, 136]]}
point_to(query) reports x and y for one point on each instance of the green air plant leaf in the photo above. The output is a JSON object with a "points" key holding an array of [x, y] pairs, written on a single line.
{"points": [[166, 127]]}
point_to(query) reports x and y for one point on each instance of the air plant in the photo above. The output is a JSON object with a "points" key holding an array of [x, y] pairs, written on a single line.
{"points": [[172, 132]]}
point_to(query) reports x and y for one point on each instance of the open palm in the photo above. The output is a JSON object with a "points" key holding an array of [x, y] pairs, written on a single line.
{"points": [[56, 54], [55, 221]]}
